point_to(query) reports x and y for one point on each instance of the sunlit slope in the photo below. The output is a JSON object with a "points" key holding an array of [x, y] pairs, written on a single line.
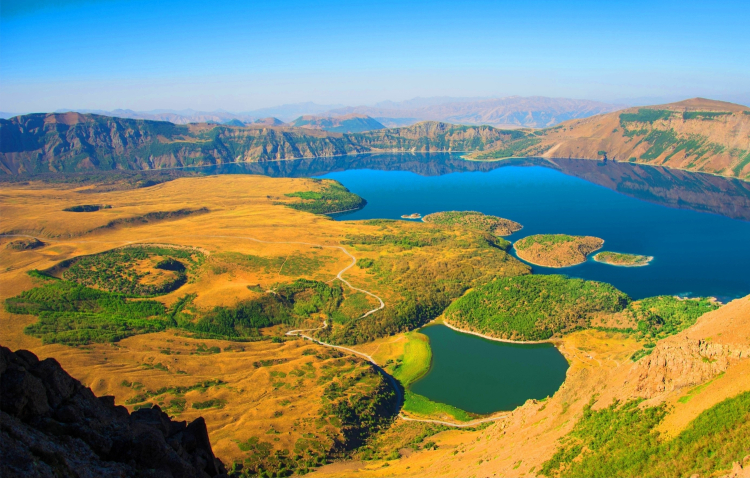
{"points": [[696, 135], [690, 389]]}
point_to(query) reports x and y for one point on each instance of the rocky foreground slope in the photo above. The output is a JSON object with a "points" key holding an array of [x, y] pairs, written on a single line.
{"points": [[53, 426]]}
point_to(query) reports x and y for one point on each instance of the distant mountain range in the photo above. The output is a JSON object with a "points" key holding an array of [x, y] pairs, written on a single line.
{"points": [[695, 135], [509, 112]]}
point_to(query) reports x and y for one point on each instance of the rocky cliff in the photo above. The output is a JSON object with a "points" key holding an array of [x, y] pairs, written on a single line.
{"points": [[719, 339], [71, 142], [52, 426]]}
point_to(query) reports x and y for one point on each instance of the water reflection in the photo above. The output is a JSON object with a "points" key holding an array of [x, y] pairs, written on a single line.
{"points": [[668, 187]]}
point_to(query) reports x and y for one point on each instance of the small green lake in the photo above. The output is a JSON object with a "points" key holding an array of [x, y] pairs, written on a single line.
{"points": [[484, 376]]}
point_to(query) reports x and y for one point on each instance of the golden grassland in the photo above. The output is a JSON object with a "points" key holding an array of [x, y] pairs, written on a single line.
{"points": [[269, 401]]}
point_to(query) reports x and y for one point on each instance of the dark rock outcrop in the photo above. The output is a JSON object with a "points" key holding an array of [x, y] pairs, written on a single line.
{"points": [[53, 426]]}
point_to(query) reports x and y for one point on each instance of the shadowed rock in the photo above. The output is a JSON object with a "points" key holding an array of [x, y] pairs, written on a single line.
{"points": [[53, 426]]}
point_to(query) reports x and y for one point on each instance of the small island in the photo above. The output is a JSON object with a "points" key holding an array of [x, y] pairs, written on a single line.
{"points": [[622, 259], [416, 215], [556, 250], [475, 220]]}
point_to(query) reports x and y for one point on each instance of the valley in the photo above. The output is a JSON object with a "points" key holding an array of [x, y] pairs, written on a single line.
{"points": [[190, 294]]}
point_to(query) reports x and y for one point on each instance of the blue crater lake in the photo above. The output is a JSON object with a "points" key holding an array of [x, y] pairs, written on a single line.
{"points": [[695, 253], [484, 376], [696, 226]]}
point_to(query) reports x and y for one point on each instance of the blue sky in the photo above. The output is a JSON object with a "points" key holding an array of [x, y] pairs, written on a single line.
{"points": [[237, 56]]}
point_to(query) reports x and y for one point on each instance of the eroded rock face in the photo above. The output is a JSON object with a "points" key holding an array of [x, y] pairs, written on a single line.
{"points": [[682, 362], [53, 426]]}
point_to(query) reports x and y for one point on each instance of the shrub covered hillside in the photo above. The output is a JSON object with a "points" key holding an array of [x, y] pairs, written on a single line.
{"points": [[422, 268], [537, 307], [533, 307], [133, 271], [333, 197], [73, 314], [475, 220], [622, 441]]}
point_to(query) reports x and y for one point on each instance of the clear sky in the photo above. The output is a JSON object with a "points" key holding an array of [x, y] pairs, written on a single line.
{"points": [[241, 55]]}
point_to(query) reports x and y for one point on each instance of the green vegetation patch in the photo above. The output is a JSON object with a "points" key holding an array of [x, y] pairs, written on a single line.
{"points": [[704, 115], [621, 441], [737, 169], [474, 220], [73, 314], [416, 360], [622, 259], [334, 197], [533, 307], [421, 405], [511, 149], [644, 115], [289, 304], [661, 316], [133, 271], [547, 241], [86, 208], [212, 403]]}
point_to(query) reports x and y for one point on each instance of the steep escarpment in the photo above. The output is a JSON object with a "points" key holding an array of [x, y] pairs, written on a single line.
{"points": [[54, 426], [72, 142]]}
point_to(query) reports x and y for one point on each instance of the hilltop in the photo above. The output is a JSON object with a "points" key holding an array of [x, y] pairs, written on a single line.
{"points": [[695, 135], [351, 123]]}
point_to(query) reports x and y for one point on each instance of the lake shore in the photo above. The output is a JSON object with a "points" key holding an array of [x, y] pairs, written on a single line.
{"points": [[507, 341]]}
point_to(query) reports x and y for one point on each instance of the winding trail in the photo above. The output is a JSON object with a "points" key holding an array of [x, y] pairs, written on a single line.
{"points": [[301, 332]]}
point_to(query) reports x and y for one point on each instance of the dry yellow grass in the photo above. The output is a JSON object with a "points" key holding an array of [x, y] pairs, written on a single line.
{"points": [[242, 207]]}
